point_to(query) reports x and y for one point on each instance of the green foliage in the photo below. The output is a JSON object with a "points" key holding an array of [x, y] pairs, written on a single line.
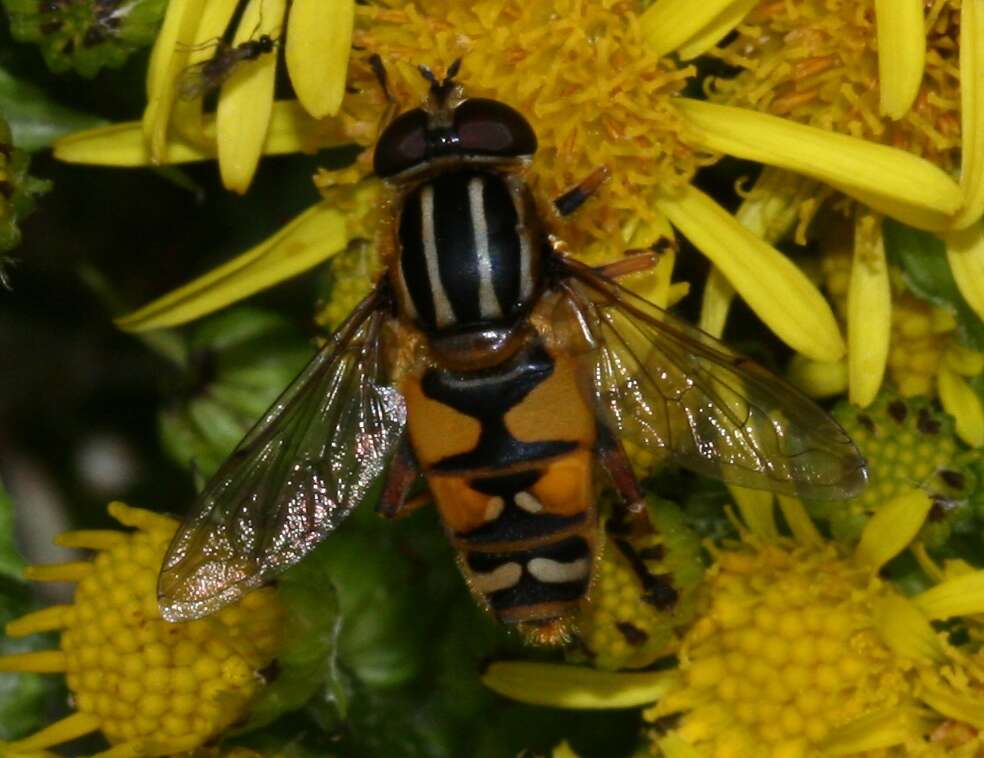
{"points": [[18, 190], [35, 119], [238, 362], [21, 695], [85, 35], [922, 258]]}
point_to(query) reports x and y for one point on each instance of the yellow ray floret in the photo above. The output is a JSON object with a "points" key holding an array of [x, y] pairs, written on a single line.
{"points": [[151, 687], [901, 54]]}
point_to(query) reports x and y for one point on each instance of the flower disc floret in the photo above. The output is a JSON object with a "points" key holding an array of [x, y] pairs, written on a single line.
{"points": [[783, 653], [134, 676]]}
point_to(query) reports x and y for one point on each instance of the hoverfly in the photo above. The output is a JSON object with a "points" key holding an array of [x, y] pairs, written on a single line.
{"points": [[202, 78], [503, 371]]}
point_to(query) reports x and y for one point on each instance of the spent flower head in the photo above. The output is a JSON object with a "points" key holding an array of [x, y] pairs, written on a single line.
{"points": [[149, 686]]}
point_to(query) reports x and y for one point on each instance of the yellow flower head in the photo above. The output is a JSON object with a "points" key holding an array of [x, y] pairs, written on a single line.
{"points": [[924, 353], [800, 648], [897, 72], [817, 62], [549, 61], [643, 592], [151, 687]]}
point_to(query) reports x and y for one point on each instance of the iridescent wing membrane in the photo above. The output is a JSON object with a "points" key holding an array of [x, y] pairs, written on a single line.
{"points": [[663, 384], [298, 473]]}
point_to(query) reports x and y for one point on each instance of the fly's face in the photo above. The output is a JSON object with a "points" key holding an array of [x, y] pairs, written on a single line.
{"points": [[534, 369]]}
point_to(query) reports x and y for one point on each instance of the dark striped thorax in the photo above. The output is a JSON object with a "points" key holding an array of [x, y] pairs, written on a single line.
{"points": [[469, 254]]}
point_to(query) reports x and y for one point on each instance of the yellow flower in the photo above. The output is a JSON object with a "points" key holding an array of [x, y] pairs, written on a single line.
{"points": [[643, 592], [151, 687], [925, 355], [888, 72], [800, 648], [596, 83], [316, 37]]}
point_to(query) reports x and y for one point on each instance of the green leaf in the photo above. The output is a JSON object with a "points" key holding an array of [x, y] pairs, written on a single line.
{"points": [[241, 360], [11, 564], [35, 119], [922, 258], [85, 35]]}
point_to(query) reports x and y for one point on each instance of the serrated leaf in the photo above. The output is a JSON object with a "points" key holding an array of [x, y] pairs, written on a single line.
{"points": [[922, 258]]}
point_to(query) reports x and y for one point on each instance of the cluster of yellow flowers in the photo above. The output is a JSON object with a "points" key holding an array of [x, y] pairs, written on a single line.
{"points": [[862, 112]]}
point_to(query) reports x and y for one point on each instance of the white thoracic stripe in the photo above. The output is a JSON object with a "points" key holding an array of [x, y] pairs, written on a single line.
{"points": [[525, 269], [500, 578], [443, 312], [554, 572], [488, 303]]}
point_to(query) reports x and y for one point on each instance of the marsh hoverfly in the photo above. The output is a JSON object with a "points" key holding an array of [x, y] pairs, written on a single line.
{"points": [[201, 78], [505, 373]]}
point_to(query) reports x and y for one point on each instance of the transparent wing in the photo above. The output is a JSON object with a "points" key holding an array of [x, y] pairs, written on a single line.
{"points": [[198, 79], [666, 385], [295, 476]]}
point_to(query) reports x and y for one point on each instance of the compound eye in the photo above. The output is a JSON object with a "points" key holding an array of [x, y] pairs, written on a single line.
{"points": [[402, 145], [488, 127]]}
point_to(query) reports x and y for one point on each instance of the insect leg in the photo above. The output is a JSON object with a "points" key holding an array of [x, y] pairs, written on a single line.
{"points": [[613, 459], [575, 197], [400, 477]]}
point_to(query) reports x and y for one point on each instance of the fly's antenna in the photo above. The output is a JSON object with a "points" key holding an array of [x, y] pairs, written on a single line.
{"points": [[441, 89], [376, 64]]}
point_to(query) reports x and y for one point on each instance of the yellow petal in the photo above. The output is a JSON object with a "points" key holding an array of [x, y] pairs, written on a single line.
{"points": [[892, 528], [314, 236], [960, 596], [965, 251], [668, 24], [319, 42], [564, 686], [291, 130], [773, 205], [818, 379], [44, 620], [901, 54], [869, 312], [246, 100], [714, 307], [186, 116], [853, 165], [122, 145], [906, 630], [674, 746], [67, 729], [799, 521], [757, 511], [40, 662], [716, 30], [971, 112], [877, 729], [772, 285], [141, 518], [169, 58], [953, 703], [961, 402]]}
